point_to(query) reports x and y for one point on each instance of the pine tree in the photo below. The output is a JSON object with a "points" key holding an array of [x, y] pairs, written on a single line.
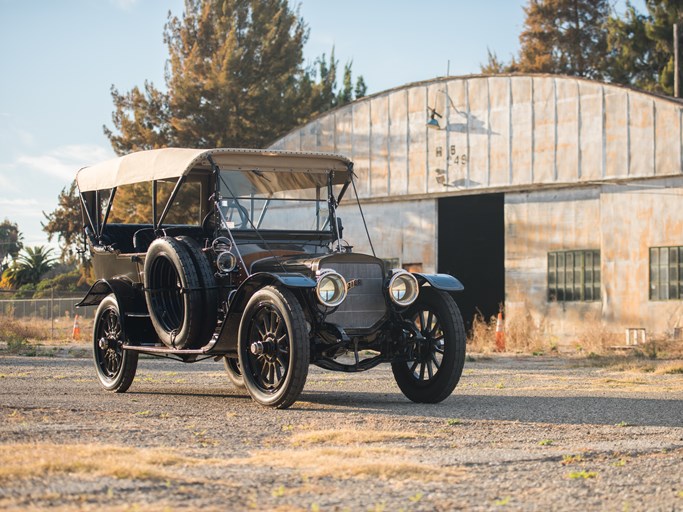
{"points": [[11, 242], [65, 223], [234, 78], [565, 37]]}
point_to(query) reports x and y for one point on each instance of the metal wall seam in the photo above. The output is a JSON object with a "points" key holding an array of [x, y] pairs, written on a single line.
{"points": [[578, 130], [533, 130], [510, 131], [556, 136], [628, 134]]}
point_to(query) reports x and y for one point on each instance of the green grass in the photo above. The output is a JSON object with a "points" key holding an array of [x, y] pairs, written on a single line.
{"points": [[582, 475]]}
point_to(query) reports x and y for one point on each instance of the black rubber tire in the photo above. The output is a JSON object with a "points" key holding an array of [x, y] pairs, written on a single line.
{"points": [[208, 284], [277, 313], [232, 369], [442, 376], [115, 367], [174, 294]]}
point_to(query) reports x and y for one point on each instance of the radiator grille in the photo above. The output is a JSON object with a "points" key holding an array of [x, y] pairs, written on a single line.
{"points": [[364, 305]]}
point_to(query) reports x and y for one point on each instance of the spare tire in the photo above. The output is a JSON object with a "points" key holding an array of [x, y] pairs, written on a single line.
{"points": [[208, 284], [174, 294]]}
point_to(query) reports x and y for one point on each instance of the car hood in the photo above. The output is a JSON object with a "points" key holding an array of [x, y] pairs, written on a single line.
{"points": [[309, 264]]}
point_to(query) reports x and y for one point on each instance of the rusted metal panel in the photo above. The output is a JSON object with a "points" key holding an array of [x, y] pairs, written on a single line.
{"points": [[544, 130], [500, 96], [410, 236], [591, 123], [567, 152], [641, 216], [379, 146], [398, 142], [326, 133], [616, 133], [436, 141], [344, 131], [523, 118], [417, 140], [471, 136], [667, 157], [641, 141], [361, 146]]}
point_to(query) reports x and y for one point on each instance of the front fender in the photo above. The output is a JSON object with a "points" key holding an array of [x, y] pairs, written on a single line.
{"points": [[444, 282], [227, 338]]}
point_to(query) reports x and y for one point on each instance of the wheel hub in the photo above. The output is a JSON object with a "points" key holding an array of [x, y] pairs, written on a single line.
{"points": [[265, 347], [103, 343]]}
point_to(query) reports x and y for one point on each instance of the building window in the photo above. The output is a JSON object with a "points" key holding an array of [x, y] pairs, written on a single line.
{"points": [[574, 276], [666, 273]]}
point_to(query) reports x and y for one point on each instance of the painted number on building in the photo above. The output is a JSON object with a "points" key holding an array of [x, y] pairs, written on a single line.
{"points": [[455, 157]]}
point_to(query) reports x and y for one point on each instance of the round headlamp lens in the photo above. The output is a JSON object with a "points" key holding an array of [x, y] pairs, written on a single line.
{"points": [[226, 262], [331, 289], [403, 288]]}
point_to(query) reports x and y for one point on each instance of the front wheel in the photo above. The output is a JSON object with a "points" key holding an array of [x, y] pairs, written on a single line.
{"points": [[273, 347], [437, 356], [115, 367]]}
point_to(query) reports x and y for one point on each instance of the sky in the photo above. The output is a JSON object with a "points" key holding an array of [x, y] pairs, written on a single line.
{"points": [[59, 60]]}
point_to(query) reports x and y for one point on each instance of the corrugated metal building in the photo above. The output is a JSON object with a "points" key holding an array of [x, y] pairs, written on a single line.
{"points": [[554, 195]]}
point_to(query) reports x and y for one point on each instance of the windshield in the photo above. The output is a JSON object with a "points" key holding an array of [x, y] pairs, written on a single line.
{"points": [[275, 200]]}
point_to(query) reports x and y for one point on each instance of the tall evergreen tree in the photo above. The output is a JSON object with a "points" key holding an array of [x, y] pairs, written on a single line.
{"points": [[234, 78], [565, 37], [65, 224], [11, 242]]}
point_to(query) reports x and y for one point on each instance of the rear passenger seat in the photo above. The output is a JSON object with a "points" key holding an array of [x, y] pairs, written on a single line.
{"points": [[136, 238]]}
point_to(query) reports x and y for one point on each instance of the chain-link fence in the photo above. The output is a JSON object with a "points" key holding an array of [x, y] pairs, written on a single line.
{"points": [[45, 309], [49, 318]]}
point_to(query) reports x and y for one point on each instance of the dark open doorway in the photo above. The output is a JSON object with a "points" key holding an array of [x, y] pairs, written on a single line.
{"points": [[472, 248]]}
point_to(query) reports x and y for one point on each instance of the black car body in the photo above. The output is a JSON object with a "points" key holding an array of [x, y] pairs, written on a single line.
{"points": [[239, 255]]}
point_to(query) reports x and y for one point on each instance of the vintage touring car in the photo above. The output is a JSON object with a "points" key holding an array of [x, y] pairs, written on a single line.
{"points": [[238, 255]]}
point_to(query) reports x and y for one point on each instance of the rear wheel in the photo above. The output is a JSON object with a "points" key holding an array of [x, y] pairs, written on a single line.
{"points": [[234, 372], [438, 355], [115, 367], [273, 347]]}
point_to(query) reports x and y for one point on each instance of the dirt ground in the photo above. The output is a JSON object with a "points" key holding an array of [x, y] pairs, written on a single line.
{"points": [[519, 433]]}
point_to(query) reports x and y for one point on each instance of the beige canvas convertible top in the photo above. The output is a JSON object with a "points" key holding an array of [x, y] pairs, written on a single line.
{"points": [[157, 164]]}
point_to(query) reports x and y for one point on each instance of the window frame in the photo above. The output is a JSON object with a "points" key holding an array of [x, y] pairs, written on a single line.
{"points": [[667, 275], [574, 275]]}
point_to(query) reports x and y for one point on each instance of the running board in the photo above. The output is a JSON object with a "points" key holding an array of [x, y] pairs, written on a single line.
{"points": [[166, 351]]}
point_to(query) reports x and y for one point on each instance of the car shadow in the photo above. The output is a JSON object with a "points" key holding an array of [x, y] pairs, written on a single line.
{"points": [[536, 409]]}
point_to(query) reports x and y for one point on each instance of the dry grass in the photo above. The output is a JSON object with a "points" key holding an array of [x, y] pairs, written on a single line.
{"points": [[349, 436], [39, 460], [522, 334], [356, 462], [18, 331]]}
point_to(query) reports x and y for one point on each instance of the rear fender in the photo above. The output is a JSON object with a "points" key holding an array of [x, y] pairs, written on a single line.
{"points": [[132, 306], [227, 338]]}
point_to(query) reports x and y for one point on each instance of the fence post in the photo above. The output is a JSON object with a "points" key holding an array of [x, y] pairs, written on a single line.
{"points": [[52, 313]]}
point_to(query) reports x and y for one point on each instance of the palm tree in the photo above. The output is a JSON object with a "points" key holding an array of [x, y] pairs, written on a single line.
{"points": [[31, 264]]}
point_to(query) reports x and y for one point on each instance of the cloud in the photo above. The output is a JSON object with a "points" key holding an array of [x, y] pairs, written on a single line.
{"points": [[21, 208], [64, 161], [124, 4]]}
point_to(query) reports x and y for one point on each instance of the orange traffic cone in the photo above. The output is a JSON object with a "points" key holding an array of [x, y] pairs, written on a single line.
{"points": [[500, 333], [76, 334]]}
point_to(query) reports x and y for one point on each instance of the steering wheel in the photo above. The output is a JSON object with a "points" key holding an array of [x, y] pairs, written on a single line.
{"points": [[235, 207]]}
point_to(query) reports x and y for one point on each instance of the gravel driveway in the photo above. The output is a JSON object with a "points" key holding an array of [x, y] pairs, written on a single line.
{"points": [[517, 434]]}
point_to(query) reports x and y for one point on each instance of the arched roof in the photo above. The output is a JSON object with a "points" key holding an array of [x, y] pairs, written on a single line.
{"points": [[500, 132]]}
